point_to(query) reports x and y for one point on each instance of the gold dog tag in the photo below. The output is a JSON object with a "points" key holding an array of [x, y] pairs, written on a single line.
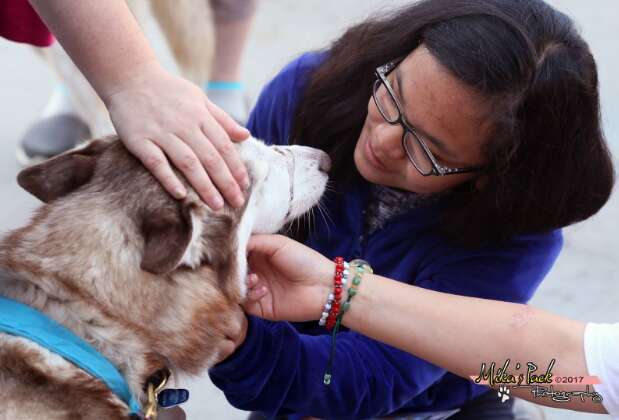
{"points": [[150, 409]]}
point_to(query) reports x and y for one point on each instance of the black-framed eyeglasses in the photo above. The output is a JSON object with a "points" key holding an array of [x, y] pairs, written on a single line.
{"points": [[416, 149]]}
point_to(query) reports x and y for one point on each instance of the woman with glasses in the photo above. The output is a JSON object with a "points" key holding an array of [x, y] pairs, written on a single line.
{"points": [[464, 134]]}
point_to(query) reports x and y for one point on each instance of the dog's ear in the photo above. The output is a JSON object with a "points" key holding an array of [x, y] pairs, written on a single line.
{"points": [[167, 233], [62, 174]]}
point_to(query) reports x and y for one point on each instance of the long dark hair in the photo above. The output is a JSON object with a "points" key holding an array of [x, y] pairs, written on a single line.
{"points": [[549, 165]]}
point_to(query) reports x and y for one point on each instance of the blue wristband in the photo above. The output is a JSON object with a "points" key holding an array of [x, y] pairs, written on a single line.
{"points": [[221, 85]]}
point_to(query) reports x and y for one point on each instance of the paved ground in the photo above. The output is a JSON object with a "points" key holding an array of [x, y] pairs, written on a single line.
{"points": [[583, 285]]}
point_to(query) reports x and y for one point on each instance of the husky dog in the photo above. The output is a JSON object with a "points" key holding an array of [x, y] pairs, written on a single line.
{"points": [[150, 282]]}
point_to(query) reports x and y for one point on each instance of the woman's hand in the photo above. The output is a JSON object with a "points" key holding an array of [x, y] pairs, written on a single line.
{"points": [[288, 280], [163, 119]]}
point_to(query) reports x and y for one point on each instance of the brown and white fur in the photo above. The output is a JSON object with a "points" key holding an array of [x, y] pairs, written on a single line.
{"points": [[149, 281]]}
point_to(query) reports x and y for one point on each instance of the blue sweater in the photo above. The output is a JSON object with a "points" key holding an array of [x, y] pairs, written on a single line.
{"points": [[278, 369]]}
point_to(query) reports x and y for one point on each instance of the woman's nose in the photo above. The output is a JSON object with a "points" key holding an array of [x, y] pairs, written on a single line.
{"points": [[390, 141]]}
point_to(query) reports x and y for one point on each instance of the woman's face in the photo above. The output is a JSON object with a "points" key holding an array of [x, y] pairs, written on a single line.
{"points": [[440, 108]]}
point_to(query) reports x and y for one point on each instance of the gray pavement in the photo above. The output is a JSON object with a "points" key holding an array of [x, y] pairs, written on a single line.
{"points": [[584, 284]]}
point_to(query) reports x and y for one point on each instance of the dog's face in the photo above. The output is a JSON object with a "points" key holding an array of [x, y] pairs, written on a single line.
{"points": [[118, 250], [292, 180], [286, 182]]}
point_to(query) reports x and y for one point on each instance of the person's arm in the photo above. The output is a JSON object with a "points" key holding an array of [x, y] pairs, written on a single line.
{"points": [[432, 325], [157, 115], [455, 332]]}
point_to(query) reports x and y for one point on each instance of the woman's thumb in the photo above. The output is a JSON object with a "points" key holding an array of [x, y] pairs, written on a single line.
{"points": [[266, 243]]}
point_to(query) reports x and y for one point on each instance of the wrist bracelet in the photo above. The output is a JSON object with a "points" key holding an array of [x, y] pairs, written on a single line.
{"points": [[360, 267], [331, 309]]}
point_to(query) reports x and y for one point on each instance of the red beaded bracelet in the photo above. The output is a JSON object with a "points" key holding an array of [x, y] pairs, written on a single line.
{"points": [[338, 287], [334, 324]]}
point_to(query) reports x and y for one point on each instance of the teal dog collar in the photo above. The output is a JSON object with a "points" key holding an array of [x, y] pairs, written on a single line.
{"points": [[23, 321]]}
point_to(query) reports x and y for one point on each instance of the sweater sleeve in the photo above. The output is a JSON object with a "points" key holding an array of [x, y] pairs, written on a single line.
{"points": [[279, 371]]}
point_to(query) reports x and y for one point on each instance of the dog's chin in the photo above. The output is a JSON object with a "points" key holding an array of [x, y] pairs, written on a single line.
{"points": [[305, 204]]}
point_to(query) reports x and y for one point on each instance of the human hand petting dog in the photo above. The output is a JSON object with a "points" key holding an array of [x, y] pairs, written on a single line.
{"points": [[163, 119], [287, 281], [160, 118]]}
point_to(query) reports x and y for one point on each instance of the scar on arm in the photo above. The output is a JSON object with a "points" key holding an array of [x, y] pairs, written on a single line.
{"points": [[521, 316]]}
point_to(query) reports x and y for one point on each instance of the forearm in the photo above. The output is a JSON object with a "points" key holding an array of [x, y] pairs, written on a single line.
{"points": [[459, 333], [101, 37]]}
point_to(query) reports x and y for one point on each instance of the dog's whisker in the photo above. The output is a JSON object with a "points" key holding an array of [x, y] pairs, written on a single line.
{"points": [[308, 218], [312, 219], [315, 218], [287, 229], [325, 215], [330, 186]]}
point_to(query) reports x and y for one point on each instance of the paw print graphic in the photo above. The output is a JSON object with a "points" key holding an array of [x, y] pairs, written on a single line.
{"points": [[503, 393]]}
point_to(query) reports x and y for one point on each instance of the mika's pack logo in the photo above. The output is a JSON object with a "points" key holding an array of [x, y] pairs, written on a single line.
{"points": [[540, 384], [493, 376]]}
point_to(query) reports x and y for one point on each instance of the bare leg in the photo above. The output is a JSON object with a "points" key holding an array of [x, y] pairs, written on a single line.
{"points": [[231, 37], [233, 21]]}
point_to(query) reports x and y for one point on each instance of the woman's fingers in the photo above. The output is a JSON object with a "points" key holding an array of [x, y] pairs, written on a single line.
{"points": [[196, 158], [186, 161], [154, 159], [252, 281], [205, 168], [257, 300], [234, 130], [224, 164], [219, 135], [165, 120], [256, 288], [212, 156], [257, 293]]}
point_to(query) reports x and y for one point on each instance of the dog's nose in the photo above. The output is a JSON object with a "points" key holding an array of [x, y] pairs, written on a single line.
{"points": [[324, 163]]}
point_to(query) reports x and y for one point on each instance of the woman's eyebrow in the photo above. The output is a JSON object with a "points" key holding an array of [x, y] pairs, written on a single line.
{"points": [[440, 145]]}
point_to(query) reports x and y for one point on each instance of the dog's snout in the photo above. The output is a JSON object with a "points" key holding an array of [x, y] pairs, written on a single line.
{"points": [[324, 162]]}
